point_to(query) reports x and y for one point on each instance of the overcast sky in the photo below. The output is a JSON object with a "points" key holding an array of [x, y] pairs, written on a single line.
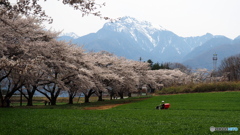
{"points": [[183, 17]]}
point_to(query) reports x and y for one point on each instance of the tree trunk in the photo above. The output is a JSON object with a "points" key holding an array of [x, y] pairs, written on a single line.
{"points": [[30, 96], [111, 95], [151, 88], [87, 96], [1, 79], [1, 98], [86, 99], [70, 101], [54, 97], [100, 96], [120, 94], [129, 94], [53, 101], [71, 94], [6, 100], [29, 100], [2, 103]]}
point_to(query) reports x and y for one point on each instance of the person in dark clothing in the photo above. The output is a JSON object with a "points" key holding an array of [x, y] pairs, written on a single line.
{"points": [[162, 105]]}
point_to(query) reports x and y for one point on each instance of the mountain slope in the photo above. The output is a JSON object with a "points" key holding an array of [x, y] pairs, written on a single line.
{"points": [[201, 57], [133, 39]]}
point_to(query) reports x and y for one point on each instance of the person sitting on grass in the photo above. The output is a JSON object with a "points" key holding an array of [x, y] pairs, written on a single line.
{"points": [[163, 105]]}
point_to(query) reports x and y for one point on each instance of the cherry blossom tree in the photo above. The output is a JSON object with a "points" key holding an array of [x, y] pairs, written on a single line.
{"points": [[200, 76], [13, 82], [18, 35], [34, 78], [141, 71], [103, 75], [83, 83], [63, 66], [6, 68], [87, 79], [82, 80], [119, 87], [46, 64], [119, 74], [25, 33], [80, 84], [168, 77]]}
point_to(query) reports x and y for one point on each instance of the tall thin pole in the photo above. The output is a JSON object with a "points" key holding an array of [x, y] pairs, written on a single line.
{"points": [[214, 62], [214, 65]]}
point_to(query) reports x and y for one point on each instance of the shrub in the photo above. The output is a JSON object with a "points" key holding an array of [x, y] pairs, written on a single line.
{"points": [[203, 87]]}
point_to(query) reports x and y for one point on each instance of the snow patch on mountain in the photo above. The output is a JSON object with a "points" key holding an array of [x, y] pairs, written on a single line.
{"points": [[71, 34], [134, 36], [177, 49], [134, 27], [169, 41], [163, 49]]}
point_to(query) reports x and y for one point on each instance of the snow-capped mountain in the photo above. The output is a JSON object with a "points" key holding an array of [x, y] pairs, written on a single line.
{"points": [[133, 39], [134, 28], [71, 34]]}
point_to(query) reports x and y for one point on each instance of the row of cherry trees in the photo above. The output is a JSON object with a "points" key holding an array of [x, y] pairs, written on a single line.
{"points": [[32, 59]]}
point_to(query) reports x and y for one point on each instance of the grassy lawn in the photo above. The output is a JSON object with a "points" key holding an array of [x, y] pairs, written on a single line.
{"points": [[189, 114]]}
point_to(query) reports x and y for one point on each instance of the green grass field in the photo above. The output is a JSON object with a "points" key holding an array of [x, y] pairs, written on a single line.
{"points": [[189, 114]]}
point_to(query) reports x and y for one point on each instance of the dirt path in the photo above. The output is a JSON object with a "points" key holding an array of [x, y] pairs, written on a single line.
{"points": [[104, 107]]}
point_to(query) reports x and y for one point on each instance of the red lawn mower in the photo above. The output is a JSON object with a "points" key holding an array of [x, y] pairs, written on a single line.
{"points": [[163, 106]]}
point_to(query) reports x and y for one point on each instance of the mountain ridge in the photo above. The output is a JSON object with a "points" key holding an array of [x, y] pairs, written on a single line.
{"points": [[133, 39]]}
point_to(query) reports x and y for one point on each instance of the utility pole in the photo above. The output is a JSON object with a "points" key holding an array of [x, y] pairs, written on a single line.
{"points": [[214, 64]]}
